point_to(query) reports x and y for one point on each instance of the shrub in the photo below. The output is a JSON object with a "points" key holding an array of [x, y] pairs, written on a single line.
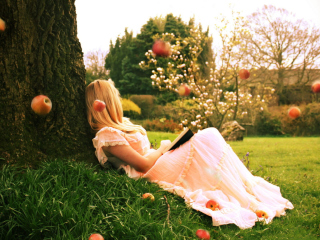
{"points": [[159, 111], [293, 94], [162, 125], [307, 124], [130, 109], [146, 104], [166, 97], [266, 124], [177, 109]]}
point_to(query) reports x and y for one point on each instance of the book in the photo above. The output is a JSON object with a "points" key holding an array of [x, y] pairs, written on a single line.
{"points": [[183, 137]]}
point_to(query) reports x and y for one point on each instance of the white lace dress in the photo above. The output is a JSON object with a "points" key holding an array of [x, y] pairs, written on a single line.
{"points": [[205, 168]]}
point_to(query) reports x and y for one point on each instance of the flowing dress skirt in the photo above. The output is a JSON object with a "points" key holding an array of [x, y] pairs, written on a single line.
{"points": [[206, 168]]}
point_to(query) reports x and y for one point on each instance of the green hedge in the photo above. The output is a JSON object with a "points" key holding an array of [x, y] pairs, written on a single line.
{"points": [[276, 121], [308, 124], [266, 124], [130, 109], [146, 103]]}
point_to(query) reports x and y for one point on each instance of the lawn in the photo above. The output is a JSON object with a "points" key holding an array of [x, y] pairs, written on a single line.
{"points": [[64, 199]]}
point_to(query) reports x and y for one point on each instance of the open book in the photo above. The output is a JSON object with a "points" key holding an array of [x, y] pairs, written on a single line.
{"points": [[183, 137]]}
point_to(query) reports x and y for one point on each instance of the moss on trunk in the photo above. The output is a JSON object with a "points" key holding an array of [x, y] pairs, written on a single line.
{"points": [[40, 54]]}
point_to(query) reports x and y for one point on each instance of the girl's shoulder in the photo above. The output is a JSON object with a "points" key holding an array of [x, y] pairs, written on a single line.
{"points": [[112, 130], [108, 129]]}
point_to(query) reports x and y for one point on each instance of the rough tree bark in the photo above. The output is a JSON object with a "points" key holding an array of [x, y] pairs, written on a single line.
{"points": [[40, 54]]}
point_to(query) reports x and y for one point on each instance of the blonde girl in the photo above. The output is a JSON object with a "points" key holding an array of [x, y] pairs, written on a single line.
{"points": [[201, 170]]}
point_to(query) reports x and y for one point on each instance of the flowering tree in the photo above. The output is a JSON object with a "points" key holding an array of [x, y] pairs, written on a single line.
{"points": [[218, 97]]}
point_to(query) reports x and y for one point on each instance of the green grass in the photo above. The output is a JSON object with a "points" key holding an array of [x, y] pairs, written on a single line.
{"points": [[69, 200], [156, 137]]}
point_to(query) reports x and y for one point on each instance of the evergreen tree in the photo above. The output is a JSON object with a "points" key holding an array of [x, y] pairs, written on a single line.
{"points": [[117, 53], [206, 59], [136, 80], [124, 57], [176, 26]]}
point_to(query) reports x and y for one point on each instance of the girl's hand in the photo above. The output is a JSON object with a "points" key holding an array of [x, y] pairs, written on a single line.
{"points": [[164, 144]]}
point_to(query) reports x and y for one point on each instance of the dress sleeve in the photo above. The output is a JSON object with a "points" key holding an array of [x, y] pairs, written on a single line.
{"points": [[107, 136]]}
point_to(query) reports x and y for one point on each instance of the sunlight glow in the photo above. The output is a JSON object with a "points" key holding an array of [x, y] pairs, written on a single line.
{"points": [[100, 22]]}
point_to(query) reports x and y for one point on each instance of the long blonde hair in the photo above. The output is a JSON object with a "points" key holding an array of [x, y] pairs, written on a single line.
{"points": [[112, 115]]}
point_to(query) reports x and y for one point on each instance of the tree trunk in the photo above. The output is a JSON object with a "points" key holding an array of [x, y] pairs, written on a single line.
{"points": [[40, 54], [280, 86], [237, 101]]}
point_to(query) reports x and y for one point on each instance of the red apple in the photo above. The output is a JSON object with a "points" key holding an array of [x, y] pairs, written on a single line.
{"points": [[184, 90], [294, 112], [244, 74], [161, 48], [96, 236], [203, 234], [148, 196], [213, 205], [316, 87], [261, 214], [2, 25], [41, 105], [99, 105]]}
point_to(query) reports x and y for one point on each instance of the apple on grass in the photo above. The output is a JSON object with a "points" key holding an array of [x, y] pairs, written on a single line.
{"points": [[148, 196], [96, 236], [99, 105], [261, 214], [316, 86], [184, 90], [41, 105], [2, 25], [202, 234], [294, 112], [244, 74], [213, 205], [161, 48]]}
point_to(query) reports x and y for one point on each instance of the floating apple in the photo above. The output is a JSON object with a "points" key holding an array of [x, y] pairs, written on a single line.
{"points": [[161, 48], [148, 196], [244, 74], [202, 234], [96, 236], [294, 112], [184, 90], [213, 205], [41, 105], [261, 214], [316, 87], [99, 105], [2, 25]]}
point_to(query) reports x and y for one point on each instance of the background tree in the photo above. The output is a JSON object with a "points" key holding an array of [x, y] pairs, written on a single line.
{"points": [[232, 59], [244, 97], [128, 76], [219, 95], [285, 50], [176, 26], [117, 52], [95, 65], [136, 80], [41, 54]]}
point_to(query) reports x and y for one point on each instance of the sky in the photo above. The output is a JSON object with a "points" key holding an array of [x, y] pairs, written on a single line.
{"points": [[102, 21]]}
